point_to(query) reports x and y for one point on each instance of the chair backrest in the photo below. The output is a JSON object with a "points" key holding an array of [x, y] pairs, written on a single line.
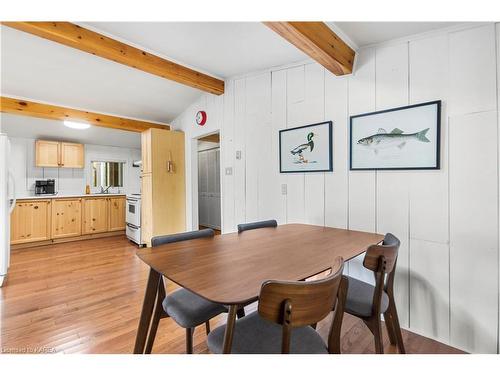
{"points": [[177, 237], [299, 303], [388, 250], [257, 225]]}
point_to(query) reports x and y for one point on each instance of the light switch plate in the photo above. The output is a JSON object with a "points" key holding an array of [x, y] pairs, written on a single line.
{"points": [[284, 189], [238, 155], [229, 171]]}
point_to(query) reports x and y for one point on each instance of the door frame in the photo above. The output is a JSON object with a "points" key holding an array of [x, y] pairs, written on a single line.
{"points": [[194, 180]]}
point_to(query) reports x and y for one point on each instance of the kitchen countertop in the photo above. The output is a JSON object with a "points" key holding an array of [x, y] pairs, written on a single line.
{"points": [[60, 196]]}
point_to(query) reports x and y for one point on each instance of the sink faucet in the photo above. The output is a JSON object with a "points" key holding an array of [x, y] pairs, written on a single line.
{"points": [[105, 191]]}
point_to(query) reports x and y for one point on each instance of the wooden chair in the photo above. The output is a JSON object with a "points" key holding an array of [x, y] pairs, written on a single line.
{"points": [[285, 313], [257, 225], [186, 308], [368, 302]]}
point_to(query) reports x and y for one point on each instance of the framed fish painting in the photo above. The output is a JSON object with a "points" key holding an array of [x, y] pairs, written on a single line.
{"points": [[399, 138], [306, 148]]}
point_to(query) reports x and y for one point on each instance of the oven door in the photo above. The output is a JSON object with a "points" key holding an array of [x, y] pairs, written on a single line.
{"points": [[133, 215]]}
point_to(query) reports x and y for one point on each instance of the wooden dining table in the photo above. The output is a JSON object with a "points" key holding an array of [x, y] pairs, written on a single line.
{"points": [[229, 269]]}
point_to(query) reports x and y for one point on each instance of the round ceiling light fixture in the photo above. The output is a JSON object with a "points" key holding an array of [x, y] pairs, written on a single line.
{"points": [[76, 125]]}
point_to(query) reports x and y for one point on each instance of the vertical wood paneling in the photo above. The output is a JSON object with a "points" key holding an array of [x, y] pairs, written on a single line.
{"points": [[392, 186], [295, 92], [474, 231], [472, 70], [239, 145], [228, 160], [362, 203], [429, 234], [336, 183], [257, 142], [278, 122], [314, 112]]}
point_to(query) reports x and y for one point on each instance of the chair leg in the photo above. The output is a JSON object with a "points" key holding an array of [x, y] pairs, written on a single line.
{"points": [[397, 328], [240, 313], [390, 327], [377, 334], [189, 340], [207, 326]]}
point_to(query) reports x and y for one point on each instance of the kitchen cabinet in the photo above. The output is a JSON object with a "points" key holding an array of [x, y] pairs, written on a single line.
{"points": [[71, 155], [95, 215], [66, 218], [59, 154], [163, 193], [30, 221], [47, 153], [116, 213]]}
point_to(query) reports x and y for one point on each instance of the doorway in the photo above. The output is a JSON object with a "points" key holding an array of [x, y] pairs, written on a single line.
{"points": [[209, 191]]}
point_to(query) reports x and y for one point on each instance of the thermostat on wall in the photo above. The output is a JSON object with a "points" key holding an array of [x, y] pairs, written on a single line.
{"points": [[201, 118]]}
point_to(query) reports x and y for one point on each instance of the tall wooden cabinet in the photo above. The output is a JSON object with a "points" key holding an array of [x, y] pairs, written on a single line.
{"points": [[163, 196]]}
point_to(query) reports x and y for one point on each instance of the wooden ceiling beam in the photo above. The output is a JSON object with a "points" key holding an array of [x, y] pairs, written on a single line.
{"points": [[53, 112], [100, 45], [319, 42]]}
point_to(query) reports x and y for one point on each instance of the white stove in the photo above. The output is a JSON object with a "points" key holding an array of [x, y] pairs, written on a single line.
{"points": [[133, 218]]}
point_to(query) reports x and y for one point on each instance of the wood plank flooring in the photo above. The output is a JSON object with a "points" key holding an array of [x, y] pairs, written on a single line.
{"points": [[86, 297]]}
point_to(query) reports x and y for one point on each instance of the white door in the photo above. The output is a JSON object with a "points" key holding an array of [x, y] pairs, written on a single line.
{"points": [[209, 198]]}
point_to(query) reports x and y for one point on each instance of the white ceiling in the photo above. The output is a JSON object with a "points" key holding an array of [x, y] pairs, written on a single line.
{"points": [[34, 128], [365, 33], [224, 49], [37, 69], [46, 71]]}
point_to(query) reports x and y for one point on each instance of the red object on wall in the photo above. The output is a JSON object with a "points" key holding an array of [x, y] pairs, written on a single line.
{"points": [[201, 118]]}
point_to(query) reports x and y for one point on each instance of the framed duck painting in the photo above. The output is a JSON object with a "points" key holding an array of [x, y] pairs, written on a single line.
{"points": [[399, 138], [306, 148]]}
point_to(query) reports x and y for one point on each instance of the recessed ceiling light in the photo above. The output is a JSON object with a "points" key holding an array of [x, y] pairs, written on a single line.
{"points": [[76, 125]]}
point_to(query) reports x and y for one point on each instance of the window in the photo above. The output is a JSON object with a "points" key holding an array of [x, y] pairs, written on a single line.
{"points": [[107, 173]]}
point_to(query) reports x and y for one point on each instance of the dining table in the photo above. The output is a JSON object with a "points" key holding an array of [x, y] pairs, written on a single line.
{"points": [[230, 269]]}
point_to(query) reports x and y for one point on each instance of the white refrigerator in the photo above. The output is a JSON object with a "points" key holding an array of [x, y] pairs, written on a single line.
{"points": [[7, 204]]}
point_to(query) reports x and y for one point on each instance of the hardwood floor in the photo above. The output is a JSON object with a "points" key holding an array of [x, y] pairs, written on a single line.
{"points": [[86, 297]]}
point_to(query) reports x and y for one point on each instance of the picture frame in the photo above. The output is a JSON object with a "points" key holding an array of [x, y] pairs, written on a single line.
{"points": [[402, 138], [306, 149]]}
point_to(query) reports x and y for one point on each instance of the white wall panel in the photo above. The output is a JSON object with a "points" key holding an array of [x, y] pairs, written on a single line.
{"points": [[228, 159], [472, 70], [239, 146], [429, 289], [257, 143], [391, 76], [295, 92], [474, 231], [336, 183], [278, 122], [314, 112], [429, 232]]}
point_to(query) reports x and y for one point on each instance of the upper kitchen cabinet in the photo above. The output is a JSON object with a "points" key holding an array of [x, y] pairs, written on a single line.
{"points": [[47, 153], [59, 154], [71, 155]]}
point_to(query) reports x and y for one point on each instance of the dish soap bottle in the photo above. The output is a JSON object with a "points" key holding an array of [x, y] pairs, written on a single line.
{"points": [[87, 189]]}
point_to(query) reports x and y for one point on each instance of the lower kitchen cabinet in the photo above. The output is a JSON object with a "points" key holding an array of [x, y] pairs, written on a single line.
{"points": [[30, 221], [95, 215], [116, 213], [66, 218]]}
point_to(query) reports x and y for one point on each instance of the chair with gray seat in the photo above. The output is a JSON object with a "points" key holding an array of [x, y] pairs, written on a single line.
{"points": [[186, 308], [257, 225], [368, 302], [286, 311]]}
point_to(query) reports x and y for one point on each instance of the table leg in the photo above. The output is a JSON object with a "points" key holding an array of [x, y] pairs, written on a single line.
{"points": [[228, 335], [147, 311]]}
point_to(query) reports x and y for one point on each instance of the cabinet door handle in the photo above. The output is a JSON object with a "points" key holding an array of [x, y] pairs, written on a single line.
{"points": [[36, 207]]}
